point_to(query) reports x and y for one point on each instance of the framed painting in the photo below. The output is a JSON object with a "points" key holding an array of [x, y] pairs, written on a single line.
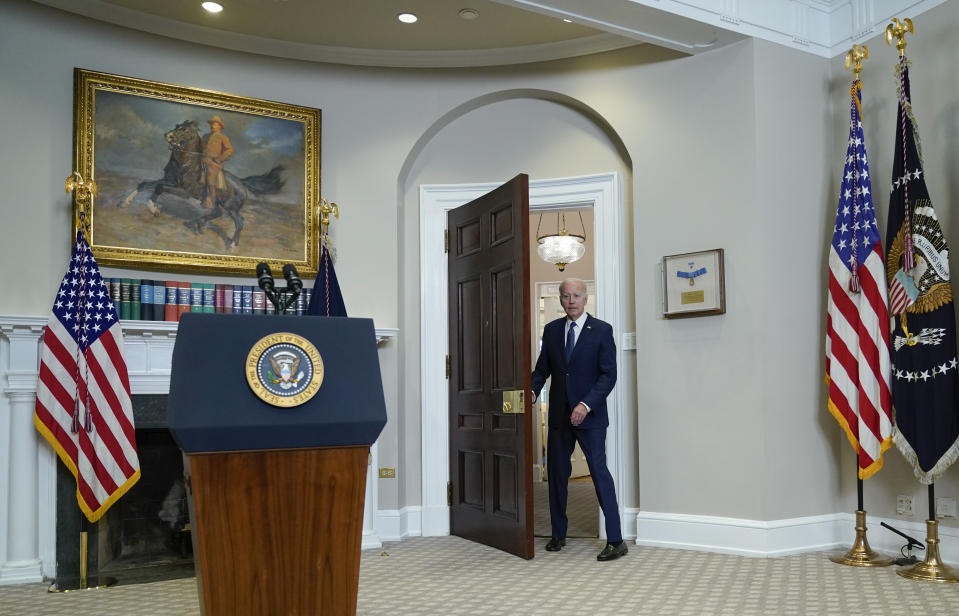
{"points": [[192, 179], [694, 284]]}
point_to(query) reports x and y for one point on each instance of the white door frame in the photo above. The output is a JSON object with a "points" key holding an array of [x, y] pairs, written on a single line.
{"points": [[603, 194]]}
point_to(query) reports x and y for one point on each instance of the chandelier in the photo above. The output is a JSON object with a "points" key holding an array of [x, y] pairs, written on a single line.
{"points": [[561, 248]]}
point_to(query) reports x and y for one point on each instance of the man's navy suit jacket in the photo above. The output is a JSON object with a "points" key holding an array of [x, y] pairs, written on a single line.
{"points": [[588, 378]]}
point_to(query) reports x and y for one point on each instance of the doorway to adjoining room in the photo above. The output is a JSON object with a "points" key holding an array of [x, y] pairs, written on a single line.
{"points": [[582, 507]]}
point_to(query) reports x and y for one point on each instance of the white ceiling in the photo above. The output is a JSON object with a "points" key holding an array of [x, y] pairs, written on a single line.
{"points": [[366, 32]]}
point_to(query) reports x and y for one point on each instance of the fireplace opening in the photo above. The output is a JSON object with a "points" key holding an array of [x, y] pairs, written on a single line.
{"points": [[145, 535]]}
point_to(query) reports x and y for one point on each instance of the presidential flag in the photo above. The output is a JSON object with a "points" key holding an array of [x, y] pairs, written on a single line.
{"points": [[925, 379], [327, 300], [857, 334], [83, 404]]}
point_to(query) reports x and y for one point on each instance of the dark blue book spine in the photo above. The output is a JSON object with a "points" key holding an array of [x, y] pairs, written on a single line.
{"points": [[301, 302], [247, 299], [237, 299], [159, 299], [146, 300]]}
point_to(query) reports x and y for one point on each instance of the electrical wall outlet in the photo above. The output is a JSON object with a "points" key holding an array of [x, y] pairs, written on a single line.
{"points": [[387, 473], [945, 507], [904, 505]]}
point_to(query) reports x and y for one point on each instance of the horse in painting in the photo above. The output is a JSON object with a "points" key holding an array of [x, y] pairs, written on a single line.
{"points": [[184, 177]]}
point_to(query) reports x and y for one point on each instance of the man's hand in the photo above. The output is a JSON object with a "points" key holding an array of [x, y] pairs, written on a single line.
{"points": [[579, 414]]}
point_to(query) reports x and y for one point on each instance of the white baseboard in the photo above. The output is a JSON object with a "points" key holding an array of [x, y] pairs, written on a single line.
{"points": [[781, 537], [436, 521], [627, 520], [24, 572], [370, 541], [398, 524]]}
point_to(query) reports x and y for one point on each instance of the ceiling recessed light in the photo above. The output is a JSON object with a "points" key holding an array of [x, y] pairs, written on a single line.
{"points": [[469, 14], [569, 21], [212, 7], [407, 18]]}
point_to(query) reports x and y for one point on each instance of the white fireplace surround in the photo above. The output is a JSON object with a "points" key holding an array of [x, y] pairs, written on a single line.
{"points": [[28, 483]]}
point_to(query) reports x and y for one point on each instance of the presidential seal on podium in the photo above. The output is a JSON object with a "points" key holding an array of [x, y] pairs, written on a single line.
{"points": [[284, 369]]}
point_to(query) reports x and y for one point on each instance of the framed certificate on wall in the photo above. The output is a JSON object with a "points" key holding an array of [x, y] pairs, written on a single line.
{"points": [[693, 284]]}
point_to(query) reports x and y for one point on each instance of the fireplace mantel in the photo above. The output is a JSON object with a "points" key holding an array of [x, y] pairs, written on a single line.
{"points": [[28, 473]]}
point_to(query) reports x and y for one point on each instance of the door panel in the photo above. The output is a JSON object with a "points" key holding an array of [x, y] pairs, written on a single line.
{"points": [[488, 290], [470, 333]]}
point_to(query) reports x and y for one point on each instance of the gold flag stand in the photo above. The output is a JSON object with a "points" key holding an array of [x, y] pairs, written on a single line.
{"points": [[860, 554], [83, 191], [932, 569], [84, 582]]}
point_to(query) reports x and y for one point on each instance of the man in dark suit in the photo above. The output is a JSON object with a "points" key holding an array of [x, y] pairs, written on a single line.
{"points": [[578, 351]]}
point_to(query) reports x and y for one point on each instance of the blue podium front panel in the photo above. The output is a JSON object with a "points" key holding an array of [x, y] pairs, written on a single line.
{"points": [[213, 406]]}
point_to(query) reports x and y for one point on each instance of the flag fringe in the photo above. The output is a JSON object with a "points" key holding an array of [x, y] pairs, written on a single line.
{"points": [[872, 469], [92, 514], [907, 107], [326, 242], [925, 477]]}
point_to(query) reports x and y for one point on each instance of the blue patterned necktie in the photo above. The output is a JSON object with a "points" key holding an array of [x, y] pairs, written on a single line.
{"points": [[570, 340]]}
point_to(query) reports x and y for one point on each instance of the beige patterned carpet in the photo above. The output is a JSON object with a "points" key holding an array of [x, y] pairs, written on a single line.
{"points": [[582, 509], [449, 576]]}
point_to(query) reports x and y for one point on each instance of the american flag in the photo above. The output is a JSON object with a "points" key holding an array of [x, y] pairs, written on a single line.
{"points": [[83, 394], [857, 320]]}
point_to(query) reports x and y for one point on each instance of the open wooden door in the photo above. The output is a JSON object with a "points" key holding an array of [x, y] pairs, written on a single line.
{"points": [[491, 464]]}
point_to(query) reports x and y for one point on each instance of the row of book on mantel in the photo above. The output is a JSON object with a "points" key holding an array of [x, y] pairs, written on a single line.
{"points": [[166, 300]]}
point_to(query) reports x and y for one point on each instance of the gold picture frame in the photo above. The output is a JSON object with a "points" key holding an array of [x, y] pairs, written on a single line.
{"points": [[694, 284], [166, 200]]}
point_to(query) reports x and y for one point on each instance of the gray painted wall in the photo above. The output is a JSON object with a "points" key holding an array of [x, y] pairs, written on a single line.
{"points": [[740, 148]]}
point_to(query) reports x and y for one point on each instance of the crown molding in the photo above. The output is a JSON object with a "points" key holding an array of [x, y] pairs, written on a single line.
{"points": [[825, 28], [171, 28]]}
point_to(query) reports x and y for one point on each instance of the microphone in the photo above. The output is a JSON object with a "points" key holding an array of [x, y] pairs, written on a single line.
{"points": [[293, 281], [912, 542], [264, 277]]}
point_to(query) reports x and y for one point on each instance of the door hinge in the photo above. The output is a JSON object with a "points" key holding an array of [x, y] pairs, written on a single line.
{"points": [[449, 493], [449, 367], [446, 240]]}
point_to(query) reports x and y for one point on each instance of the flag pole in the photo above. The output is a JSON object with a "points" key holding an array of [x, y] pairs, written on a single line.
{"points": [[932, 569], [860, 554], [83, 193]]}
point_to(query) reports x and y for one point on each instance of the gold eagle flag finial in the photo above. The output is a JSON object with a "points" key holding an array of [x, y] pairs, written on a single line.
{"points": [[897, 30], [854, 58], [83, 193], [326, 208]]}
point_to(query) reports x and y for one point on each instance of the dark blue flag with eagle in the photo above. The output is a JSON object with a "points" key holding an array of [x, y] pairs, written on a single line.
{"points": [[327, 300], [925, 368]]}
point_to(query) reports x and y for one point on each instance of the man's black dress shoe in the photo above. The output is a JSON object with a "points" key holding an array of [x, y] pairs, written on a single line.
{"points": [[555, 544], [612, 552]]}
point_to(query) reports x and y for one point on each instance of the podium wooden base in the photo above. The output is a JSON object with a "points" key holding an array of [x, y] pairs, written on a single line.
{"points": [[278, 532]]}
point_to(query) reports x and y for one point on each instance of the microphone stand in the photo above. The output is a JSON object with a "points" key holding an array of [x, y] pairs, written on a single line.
{"points": [[283, 297]]}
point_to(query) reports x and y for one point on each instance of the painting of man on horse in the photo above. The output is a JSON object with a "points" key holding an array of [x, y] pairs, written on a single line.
{"points": [[195, 171], [175, 189]]}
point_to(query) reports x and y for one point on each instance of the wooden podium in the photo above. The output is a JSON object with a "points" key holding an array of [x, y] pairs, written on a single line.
{"points": [[276, 493]]}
